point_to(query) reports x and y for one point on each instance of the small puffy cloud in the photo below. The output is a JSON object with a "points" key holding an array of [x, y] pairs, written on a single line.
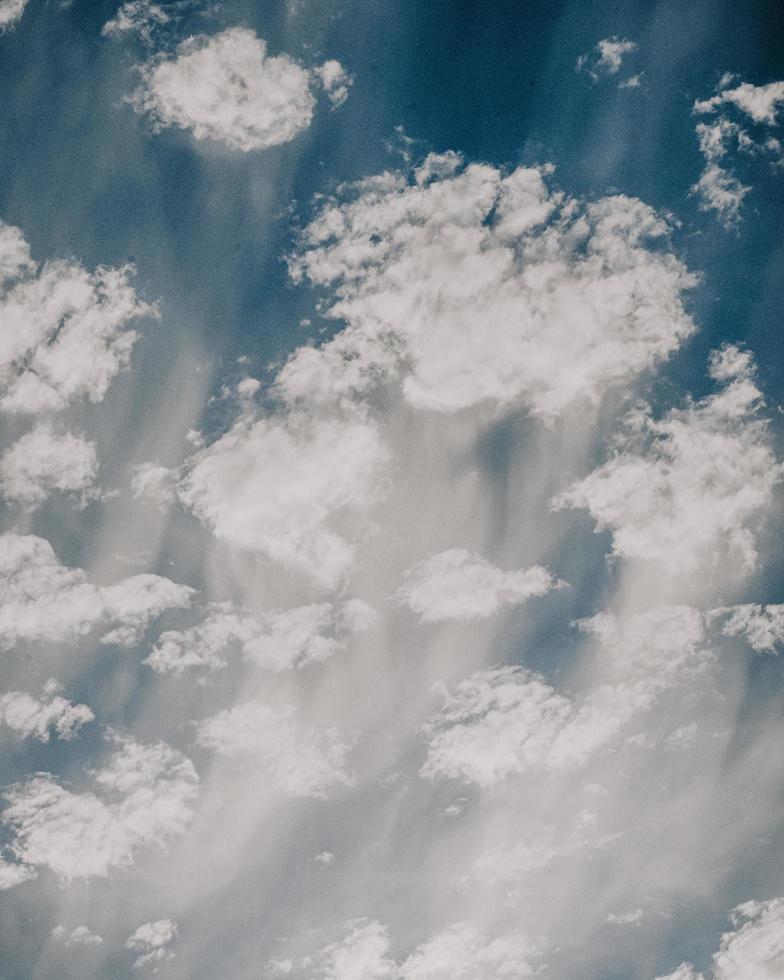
{"points": [[80, 936], [753, 949], [325, 858], [145, 799], [153, 482], [280, 487], [459, 585], [283, 639], [142, 17], [10, 12], [301, 761], [760, 103], [459, 952], [65, 330], [720, 191], [30, 717], [470, 285], [226, 89], [761, 626], [697, 485], [631, 918], [336, 81], [12, 875], [44, 461], [44, 601], [152, 941], [507, 720], [607, 57]]}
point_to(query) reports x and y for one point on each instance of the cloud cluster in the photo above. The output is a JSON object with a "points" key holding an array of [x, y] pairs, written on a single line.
{"points": [[507, 720], [44, 461], [30, 717], [459, 585], [301, 761], [761, 626], [152, 940], [473, 286], [283, 639], [461, 951], [226, 89], [140, 17], [692, 487], [145, 797], [281, 486], [718, 188], [44, 601], [65, 330], [79, 936], [753, 949]]}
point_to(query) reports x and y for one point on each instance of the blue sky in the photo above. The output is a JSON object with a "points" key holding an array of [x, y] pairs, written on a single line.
{"points": [[390, 441]]}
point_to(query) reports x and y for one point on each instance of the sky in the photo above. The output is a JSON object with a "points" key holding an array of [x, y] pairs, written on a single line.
{"points": [[390, 469]]}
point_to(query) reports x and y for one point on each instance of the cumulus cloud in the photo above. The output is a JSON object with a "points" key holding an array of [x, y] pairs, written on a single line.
{"points": [[460, 952], [280, 486], [754, 948], [44, 601], [144, 800], [10, 13], [301, 761], [12, 875], [473, 286], [761, 626], [631, 918], [283, 639], [718, 188], [65, 333], [507, 720], [696, 485], [336, 81], [142, 17], [44, 461], [80, 936], [152, 940], [457, 584], [153, 482], [32, 717], [227, 90], [607, 57]]}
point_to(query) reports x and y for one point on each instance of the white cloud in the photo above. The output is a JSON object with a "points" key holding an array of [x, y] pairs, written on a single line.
{"points": [[507, 720], [459, 952], [155, 483], [12, 875], [753, 950], [697, 485], [478, 286], [45, 460], [151, 941], [336, 81], [65, 330], [631, 918], [225, 89], [283, 639], [42, 600], [457, 584], [80, 936], [761, 626], [301, 761], [10, 12], [140, 17], [720, 191], [146, 792], [609, 56], [760, 102], [280, 486], [325, 858], [31, 717]]}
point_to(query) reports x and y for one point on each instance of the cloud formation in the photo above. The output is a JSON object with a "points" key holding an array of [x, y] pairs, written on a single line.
{"points": [[146, 793], [30, 717], [225, 89], [44, 601], [45, 461], [607, 58], [152, 940], [471, 285]]}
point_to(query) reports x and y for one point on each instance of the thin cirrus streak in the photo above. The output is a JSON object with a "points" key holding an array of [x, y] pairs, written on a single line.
{"points": [[391, 474]]}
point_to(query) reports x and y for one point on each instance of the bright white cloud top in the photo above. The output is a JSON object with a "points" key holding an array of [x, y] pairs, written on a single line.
{"points": [[227, 90]]}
